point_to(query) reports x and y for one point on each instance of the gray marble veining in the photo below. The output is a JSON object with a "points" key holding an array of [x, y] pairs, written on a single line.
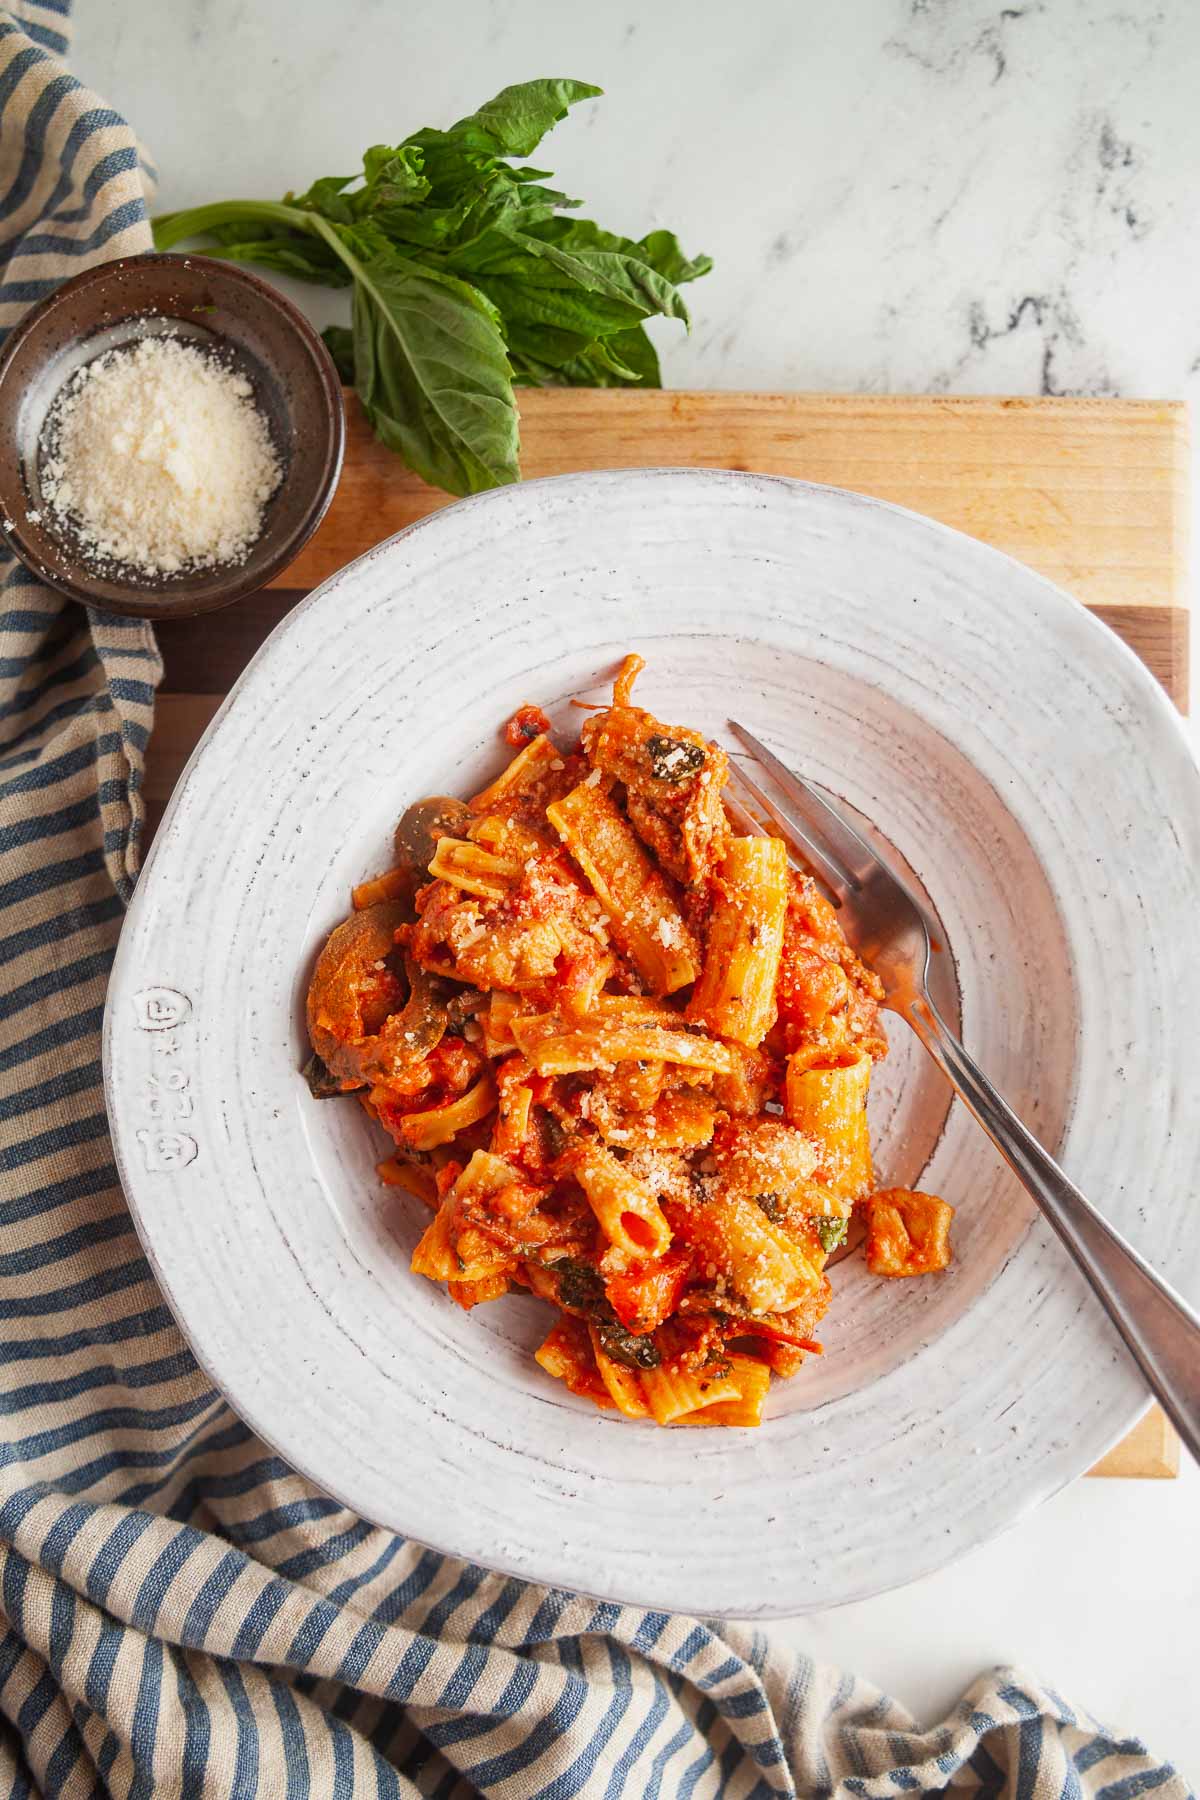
{"points": [[941, 195]]}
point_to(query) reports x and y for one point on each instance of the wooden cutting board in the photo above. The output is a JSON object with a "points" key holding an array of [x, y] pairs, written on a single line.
{"points": [[1092, 493]]}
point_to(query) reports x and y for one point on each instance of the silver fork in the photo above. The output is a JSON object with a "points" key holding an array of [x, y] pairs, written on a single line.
{"points": [[890, 930]]}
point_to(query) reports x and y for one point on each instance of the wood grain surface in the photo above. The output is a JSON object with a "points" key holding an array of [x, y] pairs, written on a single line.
{"points": [[1091, 493], [1150, 1451], [1094, 494]]}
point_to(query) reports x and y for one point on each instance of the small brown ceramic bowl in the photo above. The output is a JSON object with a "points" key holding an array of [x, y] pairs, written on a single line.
{"points": [[214, 304]]}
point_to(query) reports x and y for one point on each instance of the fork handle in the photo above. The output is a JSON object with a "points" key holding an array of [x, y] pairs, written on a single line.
{"points": [[1161, 1330]]}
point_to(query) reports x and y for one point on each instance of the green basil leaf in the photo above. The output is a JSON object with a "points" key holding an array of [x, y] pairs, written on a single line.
{"points": [[448, 228], [470, 190], [661, 250], [294, 259], [613, 273], [528, 372], [562, 308], [467, 275], [259, 231], [674, 760], [832, 1233], [597, 366], [583, 234], [589, 370], [544, 345], [493, 252], [638, 356], [424, 227], [627, 1347], [544, 357], [605, 364], [391, 177], [433, 376], [327, 197], [579, 1284], [364, 240], [519, 117], [453, 163], [607, 370], [536, 204], [340, 344]]}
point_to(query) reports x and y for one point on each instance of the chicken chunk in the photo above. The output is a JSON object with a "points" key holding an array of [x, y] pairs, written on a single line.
{"points": [[907, 1233], [672, 779]]}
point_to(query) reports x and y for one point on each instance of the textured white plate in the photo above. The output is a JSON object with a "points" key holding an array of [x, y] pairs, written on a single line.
{"points": [[1016, 754]]}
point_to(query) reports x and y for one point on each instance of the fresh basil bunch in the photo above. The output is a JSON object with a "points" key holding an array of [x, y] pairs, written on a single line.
{"points": [[466, 278]]}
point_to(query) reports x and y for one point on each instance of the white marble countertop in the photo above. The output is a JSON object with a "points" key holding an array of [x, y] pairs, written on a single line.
{"points": [[900, 195]]}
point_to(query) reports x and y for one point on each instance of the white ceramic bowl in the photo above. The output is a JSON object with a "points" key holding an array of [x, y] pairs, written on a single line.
{"points": [[1020, 759]]}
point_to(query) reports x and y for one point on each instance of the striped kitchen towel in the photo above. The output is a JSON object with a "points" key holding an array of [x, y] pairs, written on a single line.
{"points": [[181, 1613]]}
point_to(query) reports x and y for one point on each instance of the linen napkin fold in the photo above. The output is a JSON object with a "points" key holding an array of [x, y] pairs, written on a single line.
{"points": [[182, 1613]]}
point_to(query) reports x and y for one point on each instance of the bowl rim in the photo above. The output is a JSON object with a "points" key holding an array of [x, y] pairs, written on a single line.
{"points": [[1043, 1481], [180, 603]]}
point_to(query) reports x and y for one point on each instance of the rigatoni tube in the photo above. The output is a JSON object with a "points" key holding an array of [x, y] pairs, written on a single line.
{"points": [[826, 1097], [762, 1263], [643, 917], [625, 1206], [735, 995]]}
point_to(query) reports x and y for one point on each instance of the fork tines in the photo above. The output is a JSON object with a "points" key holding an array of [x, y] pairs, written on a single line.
{"points": [[796, 812]]}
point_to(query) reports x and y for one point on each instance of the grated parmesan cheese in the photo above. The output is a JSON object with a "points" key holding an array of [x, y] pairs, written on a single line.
{"points": [[157, 457], [675, 761]]}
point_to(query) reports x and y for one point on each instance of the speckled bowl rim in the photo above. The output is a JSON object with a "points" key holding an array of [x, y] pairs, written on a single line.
{"points": [[177, 603]]}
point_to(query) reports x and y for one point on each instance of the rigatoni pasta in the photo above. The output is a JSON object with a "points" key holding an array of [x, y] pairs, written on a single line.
{"points": [[626, 1207], [735, 995], [623, 1054], [643, 917], [763, 1264], [826, 1099]]}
